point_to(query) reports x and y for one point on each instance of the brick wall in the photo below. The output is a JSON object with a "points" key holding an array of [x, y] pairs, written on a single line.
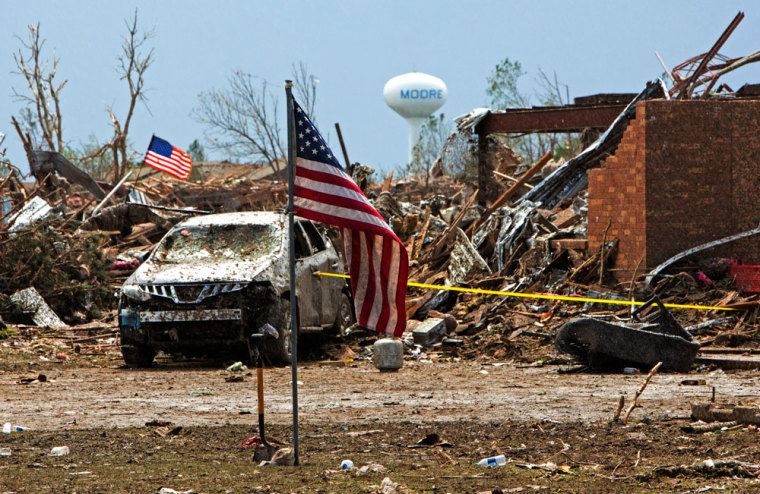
{"points": [[685, 173], [617, 195]]}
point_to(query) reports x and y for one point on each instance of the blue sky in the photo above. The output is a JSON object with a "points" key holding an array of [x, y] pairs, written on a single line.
{"points": [[353, 47]]}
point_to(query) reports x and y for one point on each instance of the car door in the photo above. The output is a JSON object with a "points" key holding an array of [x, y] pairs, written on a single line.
{"points": [[327, 261], [308, 289]]}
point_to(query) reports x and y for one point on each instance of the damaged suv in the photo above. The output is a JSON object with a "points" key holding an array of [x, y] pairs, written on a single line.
{"points": [[214, 280]]}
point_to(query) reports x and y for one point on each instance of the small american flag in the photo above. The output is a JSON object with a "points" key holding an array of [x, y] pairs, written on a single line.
{"points": [[377, 260], [165, 157]]}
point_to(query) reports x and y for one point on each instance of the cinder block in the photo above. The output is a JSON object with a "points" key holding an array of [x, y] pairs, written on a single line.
{"points": [[430, 331]]}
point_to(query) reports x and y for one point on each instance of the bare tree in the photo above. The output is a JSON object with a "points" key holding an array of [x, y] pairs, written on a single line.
{"points": [[458, 158], [133, 63], [504, 93], [43, 114], [554, 93], [305, 85], [430, 146], [244, 118]]}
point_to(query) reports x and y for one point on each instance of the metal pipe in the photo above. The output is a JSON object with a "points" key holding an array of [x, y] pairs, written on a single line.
{"points": [[293, 301], [343, 147], [665, 67], [260, 389], [108, 196]]}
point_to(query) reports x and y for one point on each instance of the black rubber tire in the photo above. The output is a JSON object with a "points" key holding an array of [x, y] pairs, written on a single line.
{"points": [[245, 354], [345, 317], [137, 355], [283, 353]]}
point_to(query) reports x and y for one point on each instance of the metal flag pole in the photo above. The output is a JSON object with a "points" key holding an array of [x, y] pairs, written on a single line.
{"points": [[292, 249]]}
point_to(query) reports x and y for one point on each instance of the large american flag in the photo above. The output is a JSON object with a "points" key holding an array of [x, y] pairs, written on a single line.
{"points": [[377, 260], [165, 157]]}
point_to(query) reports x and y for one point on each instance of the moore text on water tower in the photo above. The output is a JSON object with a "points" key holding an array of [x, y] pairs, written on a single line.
{"points": [[415, 96], [422, 94]]}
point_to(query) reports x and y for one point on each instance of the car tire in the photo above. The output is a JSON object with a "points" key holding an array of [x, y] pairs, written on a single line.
{"points": [[284, 354], [345, 317], [137, 355]]}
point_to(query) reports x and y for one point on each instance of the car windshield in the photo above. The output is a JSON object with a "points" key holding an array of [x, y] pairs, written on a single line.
{"points": [[211, 243]]}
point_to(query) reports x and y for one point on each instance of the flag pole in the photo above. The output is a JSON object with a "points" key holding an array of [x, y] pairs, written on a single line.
{"points": [[292, 249], [142, 163]]}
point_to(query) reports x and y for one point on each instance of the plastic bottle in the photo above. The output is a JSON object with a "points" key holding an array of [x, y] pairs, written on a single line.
{"points": [[494, 461], [347, 464], [8, 428]]}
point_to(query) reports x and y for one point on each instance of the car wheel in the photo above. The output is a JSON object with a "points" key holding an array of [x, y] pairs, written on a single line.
{"points": [[137, 355], [245, 354], [345, 317], [284, 354]]}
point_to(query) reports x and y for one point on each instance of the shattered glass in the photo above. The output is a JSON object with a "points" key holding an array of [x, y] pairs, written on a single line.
{"points": [[214, 242]]}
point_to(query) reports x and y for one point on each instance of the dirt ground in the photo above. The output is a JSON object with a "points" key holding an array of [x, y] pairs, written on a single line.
{"points": [[555, 429], [78, 398]]}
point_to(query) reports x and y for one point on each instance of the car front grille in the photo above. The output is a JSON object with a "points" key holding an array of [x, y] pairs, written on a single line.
{"points": [[192, 293]]}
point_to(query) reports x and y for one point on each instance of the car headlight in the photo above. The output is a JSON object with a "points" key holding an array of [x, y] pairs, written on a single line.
{"points": [[134, 292]]}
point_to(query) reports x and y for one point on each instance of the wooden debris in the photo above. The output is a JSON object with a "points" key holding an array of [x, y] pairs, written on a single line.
{"points": [[506, 196], [641, 390]]}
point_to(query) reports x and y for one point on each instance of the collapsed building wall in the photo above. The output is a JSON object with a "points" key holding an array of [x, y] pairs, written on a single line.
{"points": [[686, 172]]}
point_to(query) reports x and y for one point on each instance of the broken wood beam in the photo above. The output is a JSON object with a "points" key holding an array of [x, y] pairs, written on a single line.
{"points": [[510, 192], [444, 240], [641, 390], [387, 182], [511, 179], [417, 245], [621, 404]]}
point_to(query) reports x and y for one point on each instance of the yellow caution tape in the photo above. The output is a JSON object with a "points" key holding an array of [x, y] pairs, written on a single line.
{"points": [[540, 296]]}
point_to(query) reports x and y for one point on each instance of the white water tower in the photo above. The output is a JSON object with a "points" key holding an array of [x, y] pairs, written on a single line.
{"points": [[415, 96]]}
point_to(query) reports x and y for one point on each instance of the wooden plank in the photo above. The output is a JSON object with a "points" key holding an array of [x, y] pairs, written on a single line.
{"points": [[510, 192], [444, 240], [387, 182], [569, 243]]}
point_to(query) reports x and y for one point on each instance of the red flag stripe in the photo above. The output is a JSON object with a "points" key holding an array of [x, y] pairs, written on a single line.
{"points": [[177, 157], [159, 167], [369, 214], [341, 212], [380, 301], [334, 220], [377, 260], [371, 262], [171, 166], [308, 168], [166, 165], [385, 265], [339, 191]]}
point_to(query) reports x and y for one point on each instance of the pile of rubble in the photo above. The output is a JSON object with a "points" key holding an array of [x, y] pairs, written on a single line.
{"points": [[508, 256], [67, 242], [520, 247], [75, 249]]}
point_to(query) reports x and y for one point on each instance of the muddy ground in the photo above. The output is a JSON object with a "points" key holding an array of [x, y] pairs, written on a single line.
{"points": [[555, 429]]}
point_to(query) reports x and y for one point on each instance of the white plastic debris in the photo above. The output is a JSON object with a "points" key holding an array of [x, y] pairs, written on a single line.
{"points": [[60, 451], [35, 209]]}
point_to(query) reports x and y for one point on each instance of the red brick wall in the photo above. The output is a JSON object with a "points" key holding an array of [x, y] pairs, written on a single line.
{"points": [[616, 197], [685, 173]]}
